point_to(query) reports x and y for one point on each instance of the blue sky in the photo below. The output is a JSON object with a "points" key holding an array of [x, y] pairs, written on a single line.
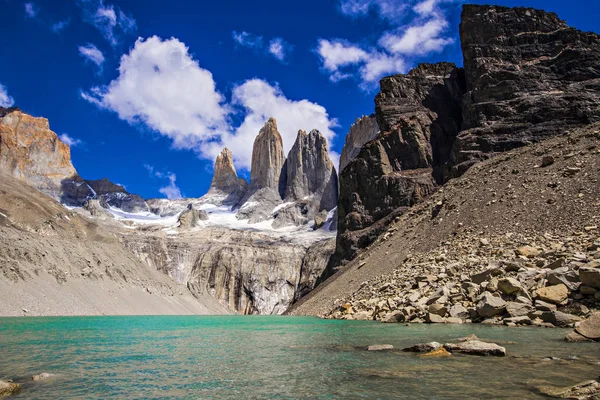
{"points": [[148, 94]]}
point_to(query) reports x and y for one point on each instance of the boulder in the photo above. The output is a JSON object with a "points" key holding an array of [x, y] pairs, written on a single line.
{"points": [[476, 347], [543, 306], [590, 328], [459, 311], [560, 319], [515, 309], [528, 251], [9, 388], [575, 337], [490, 305], [423, 347], [435, 319], [509, 286], [42, 376], [190, 218], [438, 309], [557, 294], [590, 277], [379, 347]]}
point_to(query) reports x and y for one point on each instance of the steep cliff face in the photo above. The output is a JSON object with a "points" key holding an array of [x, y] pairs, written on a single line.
{"points": [[247, 272], [419, 117], [226, 187], [267, 158], [310, 172], [266, 185], [527, 76], [362, 131], [30, 151]]}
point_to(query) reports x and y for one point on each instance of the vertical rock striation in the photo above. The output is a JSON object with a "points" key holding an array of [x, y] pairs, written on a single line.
{"points": [[226, 187], [310, 172], [267, 158]]}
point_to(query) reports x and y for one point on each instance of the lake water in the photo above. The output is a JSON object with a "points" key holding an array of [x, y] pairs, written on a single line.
{"points": [[267, 357]]}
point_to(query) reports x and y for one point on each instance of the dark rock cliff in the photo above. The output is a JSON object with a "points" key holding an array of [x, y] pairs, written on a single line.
{"points": [[527, 76]]}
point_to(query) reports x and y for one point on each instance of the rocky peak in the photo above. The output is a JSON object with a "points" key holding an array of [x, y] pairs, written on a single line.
{"points": [[362, 131], [267, 158], [30, 151], [104, 186], [310, 172], [226, 181]]}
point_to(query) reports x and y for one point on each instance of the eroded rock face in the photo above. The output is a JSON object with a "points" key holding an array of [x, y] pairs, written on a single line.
{"points": [[529, 76], [225, 183], [247, 272], [362, 131], [267, 158], [30, 151], [310, 172]]}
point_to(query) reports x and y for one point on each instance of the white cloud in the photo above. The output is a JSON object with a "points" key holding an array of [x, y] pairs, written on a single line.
{"points": [[60, 25], [31, 10], [5, 99], [246, 39], [72, 142], [338, 53], [92, 53], [419, 39], [111, 21], [418, 29], [277, 47], [171, 190], [340, 59], [161, 86], [259, 101]]}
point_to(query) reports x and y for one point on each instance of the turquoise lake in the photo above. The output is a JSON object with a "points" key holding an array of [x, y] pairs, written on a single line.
{"points": [[269, 357]]}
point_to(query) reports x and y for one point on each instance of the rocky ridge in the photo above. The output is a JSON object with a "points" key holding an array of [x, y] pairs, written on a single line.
{"points": [[528, 218], [527, 77]]}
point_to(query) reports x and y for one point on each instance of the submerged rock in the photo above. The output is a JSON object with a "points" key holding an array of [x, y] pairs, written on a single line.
{"points": [[589, 390], [423, 347], [8, 388], [42, 376], [379, 347], [476, 347]]}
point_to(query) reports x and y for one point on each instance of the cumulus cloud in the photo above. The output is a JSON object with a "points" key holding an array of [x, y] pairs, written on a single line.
{"points": [[72, 142], [5, 99], [111, 21], [258, 101], [418, 28], [31, 10], [93, 54], [279, 48], [171, 190], [162, 87], [276, 47]]}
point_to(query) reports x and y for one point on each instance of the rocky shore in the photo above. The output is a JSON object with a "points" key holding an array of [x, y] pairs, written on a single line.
{"points": [[544, 280]]}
